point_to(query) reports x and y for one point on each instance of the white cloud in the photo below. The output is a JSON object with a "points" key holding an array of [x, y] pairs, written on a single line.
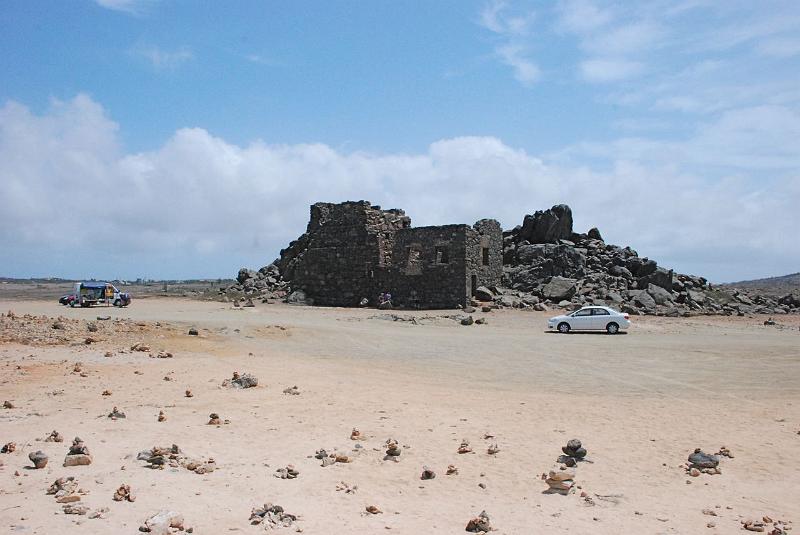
{"points": [[75, 205], [163, 59], [604, 70], [525, 70], [513, 30]]}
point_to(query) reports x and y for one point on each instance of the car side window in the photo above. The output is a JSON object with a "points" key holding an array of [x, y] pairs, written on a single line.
{"points": [[601, 312], [587, 312]]}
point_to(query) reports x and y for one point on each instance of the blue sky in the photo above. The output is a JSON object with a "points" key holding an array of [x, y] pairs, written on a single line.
{"points": [[210, 127]]}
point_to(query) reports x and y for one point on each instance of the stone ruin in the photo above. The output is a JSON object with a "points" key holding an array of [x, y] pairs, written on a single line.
{"points": [[355, 251]]}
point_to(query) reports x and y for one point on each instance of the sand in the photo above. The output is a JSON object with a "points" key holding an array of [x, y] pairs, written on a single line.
{"points": [[640, 402]]}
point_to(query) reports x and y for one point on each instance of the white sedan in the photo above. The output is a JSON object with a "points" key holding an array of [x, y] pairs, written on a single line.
{"points": [[590, 319]]}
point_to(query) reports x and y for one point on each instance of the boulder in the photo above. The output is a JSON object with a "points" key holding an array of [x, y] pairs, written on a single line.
{"points": [[161, 522], [643, 300], [245, 274], [548, 226], [659, 294], [698, 459], [660, 277], [594, 234], [482, 293], [297, 297], [620, 271], [559, 288]]}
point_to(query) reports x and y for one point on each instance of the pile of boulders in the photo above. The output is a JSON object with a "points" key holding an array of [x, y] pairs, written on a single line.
{"points": [[547, 264], [265, 284]]}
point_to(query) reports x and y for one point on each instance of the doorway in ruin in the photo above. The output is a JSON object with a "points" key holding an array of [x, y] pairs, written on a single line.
{"points": [[473, 284]]}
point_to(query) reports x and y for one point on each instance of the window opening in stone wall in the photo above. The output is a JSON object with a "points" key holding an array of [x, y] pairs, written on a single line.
{"points": [[442, 255], [485, 256], [413, 266]]}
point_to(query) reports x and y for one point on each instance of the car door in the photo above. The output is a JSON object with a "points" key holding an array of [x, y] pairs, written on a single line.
{"points": [[582, 319], [600, 317]]}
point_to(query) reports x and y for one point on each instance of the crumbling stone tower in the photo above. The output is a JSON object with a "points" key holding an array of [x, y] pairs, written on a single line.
{"points": [[355, 250]]}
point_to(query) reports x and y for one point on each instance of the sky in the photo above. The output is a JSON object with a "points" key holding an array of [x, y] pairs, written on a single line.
{"points": [[176, 139]]}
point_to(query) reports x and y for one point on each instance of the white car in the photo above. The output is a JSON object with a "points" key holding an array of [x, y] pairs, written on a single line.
{"points": [[592, 318]]}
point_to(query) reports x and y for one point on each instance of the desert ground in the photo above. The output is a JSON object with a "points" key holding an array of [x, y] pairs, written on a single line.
{"points": [[639, 402]]}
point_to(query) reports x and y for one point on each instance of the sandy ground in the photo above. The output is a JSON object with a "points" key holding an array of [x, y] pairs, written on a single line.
{"points": [[640, 402]]}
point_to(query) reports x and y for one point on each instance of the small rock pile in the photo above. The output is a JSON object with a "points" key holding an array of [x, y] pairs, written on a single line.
{"points": [[55, 436], [65, 490], [272, 516], [560, 479], [78, 454], [290, 472], [480, 524], [292, 390], [392, 450], [124, 494], [159, 458], [779, 527], [9, 447], [464, 447], [700, 462], [116, 414], [244, 380]]}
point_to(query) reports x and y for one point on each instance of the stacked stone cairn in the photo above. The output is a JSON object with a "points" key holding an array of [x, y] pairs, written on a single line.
{"points": [[561, 478], [78, 454]]}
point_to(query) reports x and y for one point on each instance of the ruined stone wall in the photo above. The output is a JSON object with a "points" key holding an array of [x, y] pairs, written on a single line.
{"points": [[354, 250], [345, 248], [429, 267], [484, 254]]}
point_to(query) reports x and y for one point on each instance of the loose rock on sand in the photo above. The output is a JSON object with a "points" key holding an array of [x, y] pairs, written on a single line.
{"points": [[163, 523], [39, 459]]}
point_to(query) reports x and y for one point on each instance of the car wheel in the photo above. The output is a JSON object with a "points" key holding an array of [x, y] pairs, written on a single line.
{"points": [[563, 327], [612, 328]]}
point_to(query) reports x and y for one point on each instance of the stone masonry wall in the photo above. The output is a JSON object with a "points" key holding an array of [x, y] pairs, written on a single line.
{"points": [[345, 247], [429, 267]]}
